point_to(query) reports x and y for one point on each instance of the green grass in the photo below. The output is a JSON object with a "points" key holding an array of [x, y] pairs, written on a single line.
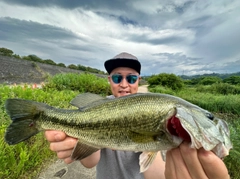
{"points": [[82, 83], [217, 103], [232, 160], [26, 159], [16, 161]]}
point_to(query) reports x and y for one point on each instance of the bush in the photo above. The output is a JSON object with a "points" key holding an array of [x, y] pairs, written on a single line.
{"points": [[233, 80], [210, 80], [6, 52], [167, 80], [79, 82]]}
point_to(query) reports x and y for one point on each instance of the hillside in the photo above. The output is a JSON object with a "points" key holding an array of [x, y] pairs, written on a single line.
{"points": [[222, 76], [13, 70]]}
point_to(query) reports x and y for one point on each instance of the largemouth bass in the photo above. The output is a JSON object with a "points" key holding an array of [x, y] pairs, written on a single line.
{"points": [[147, 122]]}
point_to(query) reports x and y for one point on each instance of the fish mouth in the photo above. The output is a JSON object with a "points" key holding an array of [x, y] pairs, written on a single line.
{"points": [[175, 128]]}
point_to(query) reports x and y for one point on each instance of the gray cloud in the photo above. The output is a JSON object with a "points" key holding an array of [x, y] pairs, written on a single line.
{"points": [[90, 4], [156, 41], [190, 37], [13, 29]]}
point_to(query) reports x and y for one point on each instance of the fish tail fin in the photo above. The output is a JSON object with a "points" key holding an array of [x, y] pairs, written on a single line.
{"points": [[24, 114]]}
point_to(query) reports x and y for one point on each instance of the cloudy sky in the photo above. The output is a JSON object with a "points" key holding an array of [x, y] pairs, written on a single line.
{"points": [[180, 36]]}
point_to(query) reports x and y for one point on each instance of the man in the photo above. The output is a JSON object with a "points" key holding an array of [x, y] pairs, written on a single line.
{"points": [[181, 163]]}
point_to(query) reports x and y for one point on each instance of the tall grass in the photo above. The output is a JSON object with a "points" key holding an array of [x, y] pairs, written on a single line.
{"points": [[213, 102], [219, 88], [16, 161], [26, 159], [232, 160]]}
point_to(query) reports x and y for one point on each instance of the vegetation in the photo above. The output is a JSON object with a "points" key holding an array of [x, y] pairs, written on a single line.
{"points": [[82, 83], [167, 80], [16, 161], [234, 80], [6, 52]]}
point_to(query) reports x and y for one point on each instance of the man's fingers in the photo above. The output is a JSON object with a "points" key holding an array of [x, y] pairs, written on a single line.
{"points": [[175, 165], [180, 166], [190, 157], [64, 154], [209, 162], [68, 144], [68, 160], [55, 136], [170, 167]]}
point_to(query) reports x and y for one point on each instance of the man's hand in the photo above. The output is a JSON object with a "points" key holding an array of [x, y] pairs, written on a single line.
{"points": [[188, 163], [62, 144]]}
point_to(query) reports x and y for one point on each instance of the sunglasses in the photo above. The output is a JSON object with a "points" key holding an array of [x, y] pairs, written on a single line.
{"points": [[131, 79]]}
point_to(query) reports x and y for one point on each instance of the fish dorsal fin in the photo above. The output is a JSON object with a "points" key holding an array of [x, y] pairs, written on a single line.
{"points": [[85, 99], [146, 159], [82, 151]]}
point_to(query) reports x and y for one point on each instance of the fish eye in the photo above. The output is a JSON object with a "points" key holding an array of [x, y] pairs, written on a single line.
{"points": [[210, 116]]}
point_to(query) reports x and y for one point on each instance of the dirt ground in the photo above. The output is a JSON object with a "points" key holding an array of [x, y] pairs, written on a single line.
{"points": [[143, 89]]}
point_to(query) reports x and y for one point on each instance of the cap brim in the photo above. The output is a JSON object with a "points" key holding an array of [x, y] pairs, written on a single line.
{"points": [[111, 64]]}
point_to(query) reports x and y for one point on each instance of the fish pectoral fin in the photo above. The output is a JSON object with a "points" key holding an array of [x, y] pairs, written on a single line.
{"points": [[85, 99], [82, 151], [147, 133], [140, 137], [146, 159]]}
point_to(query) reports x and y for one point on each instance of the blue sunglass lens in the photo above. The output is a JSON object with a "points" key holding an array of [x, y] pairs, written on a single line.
{"points": [[130, 78], [117, 78]]}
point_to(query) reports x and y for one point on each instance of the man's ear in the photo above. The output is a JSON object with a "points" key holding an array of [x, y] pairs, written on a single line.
{"points": [[109, 79]]}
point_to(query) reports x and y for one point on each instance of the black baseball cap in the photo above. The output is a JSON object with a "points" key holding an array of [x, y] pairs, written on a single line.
{"points": [[123, 60]]}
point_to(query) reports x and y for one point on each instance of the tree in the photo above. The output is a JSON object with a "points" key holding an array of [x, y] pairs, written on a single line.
{"points": [[210, 80], [6, 52], [168, 80], [81, 67], [16, 56], [61, 65], [49, 61], [72, 66], [234, 80], [33, 58]]}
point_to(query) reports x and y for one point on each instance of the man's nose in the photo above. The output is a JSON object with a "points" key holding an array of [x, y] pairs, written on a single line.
{"points": [[124, 83]]}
